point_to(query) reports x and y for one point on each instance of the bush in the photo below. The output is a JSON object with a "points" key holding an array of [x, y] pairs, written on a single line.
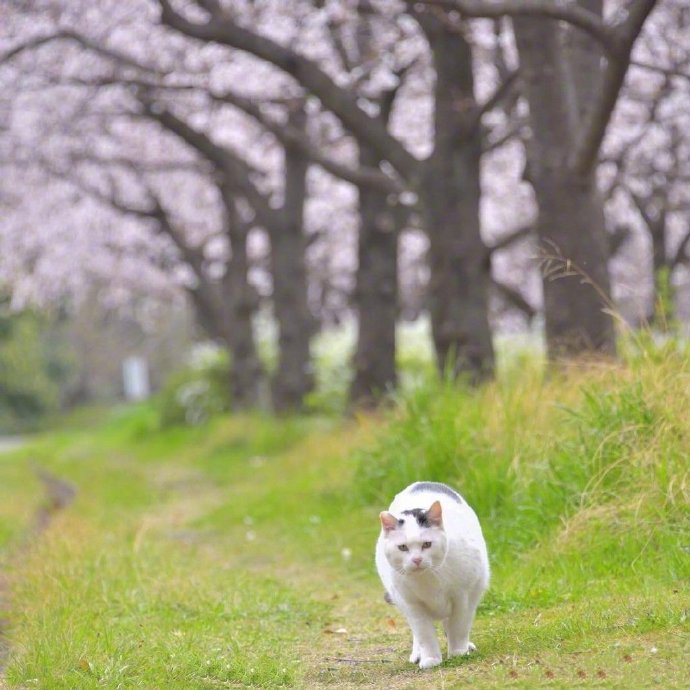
{"points": [[197, 393], [29, 373], [593, 454]]}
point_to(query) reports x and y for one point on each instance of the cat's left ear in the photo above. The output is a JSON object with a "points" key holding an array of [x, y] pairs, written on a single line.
{"points": [[434, 514]]}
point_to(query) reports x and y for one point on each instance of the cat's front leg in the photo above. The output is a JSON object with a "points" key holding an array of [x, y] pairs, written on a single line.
{"points": [[425, 647], [415, 655], [459, 623]]}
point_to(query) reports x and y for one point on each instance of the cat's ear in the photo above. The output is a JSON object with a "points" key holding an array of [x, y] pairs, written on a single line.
{"points": [[388, 521], [434, 514]]}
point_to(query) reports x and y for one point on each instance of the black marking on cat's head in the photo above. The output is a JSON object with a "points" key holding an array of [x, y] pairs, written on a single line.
{"points": [[419, 515], [437, 487]]}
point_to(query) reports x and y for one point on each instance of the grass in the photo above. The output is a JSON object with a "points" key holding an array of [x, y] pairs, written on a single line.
{"points": [[239, 554]]}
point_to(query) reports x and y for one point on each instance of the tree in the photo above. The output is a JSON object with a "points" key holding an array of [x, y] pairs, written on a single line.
{"points": [[459, 264], [409, 109], [284, 225], [571, 93], [226, 306], [376, 290]]}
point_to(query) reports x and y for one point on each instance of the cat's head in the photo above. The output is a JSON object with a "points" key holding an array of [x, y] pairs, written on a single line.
{"points": [[415, 540]]}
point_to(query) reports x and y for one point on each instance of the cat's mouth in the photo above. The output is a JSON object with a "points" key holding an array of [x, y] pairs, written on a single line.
{"points": [[416, 568]]}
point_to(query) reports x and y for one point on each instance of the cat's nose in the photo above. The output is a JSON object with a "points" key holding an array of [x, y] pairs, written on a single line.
{"points": [[417, 560]]}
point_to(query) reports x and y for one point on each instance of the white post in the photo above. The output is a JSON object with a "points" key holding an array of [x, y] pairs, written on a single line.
{"points": [[135, 378]]}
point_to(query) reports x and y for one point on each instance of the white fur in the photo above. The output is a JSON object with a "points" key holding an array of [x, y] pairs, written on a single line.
{"points": [[448, 582]]}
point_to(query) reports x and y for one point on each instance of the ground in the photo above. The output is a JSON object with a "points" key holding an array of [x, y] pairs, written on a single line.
{"points": [[240, 554]]}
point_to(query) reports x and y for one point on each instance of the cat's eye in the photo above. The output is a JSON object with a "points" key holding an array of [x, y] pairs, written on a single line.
{"points": [[403, 547], [426, 545]]}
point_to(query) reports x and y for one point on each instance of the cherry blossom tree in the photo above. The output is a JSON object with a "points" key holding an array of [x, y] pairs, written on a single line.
{"points": [[344, 157], [459, 268], [571, 102], [224, 301]]}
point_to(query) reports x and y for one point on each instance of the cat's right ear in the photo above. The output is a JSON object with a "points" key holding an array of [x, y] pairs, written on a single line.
{"points": [[388, 521]]}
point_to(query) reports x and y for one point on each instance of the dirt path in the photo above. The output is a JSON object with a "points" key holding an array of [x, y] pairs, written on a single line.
{"points": [[7, 444], [58, 494], [4, 646], [10, 443]]}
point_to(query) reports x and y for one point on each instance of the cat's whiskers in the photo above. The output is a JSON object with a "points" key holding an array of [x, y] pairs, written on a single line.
{"points": [[436, 575]]}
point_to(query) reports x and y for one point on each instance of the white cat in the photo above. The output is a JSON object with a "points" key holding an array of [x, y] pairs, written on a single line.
{"points": [[432, 560]]}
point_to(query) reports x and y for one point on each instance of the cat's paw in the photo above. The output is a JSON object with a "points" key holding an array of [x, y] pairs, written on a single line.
{"points": [[462, 651], [414, 657], [429, 661]]}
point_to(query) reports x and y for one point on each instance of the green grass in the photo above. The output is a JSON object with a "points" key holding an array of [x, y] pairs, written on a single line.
{"points": [[240, 553]]}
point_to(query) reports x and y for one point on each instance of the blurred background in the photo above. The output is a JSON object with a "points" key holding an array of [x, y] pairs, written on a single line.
{"points": [[302, 205]]}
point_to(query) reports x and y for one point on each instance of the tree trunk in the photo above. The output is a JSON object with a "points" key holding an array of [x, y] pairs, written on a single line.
{"points": [[375, 296], [221, 314], [246, 372], [235, 312], [293, 378], [450, 193], [662, 296], [574, 254], [583, 57], [653, 211], [571, 224], [376, 292]]}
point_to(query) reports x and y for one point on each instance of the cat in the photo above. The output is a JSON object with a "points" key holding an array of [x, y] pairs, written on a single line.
{"points": [[432, 560]]}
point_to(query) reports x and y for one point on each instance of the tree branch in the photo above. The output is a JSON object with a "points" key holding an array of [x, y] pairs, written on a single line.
{"points": [[681, 256], [651, 224], [660, 69], [220, 28], [68, 35], [515, 298], [593, 129], [237, 172], [361, 176], [500, 93], [141, 166], [620, 235], [489, 145], [193, 257], [550, 9], [387, 98], [205, 295], [511, 238], [503, 89], [199, 141]]}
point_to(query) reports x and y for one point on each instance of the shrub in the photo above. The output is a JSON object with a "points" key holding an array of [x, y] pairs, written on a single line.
{"points": [[29, 375], [594, 453], [195, 394]]}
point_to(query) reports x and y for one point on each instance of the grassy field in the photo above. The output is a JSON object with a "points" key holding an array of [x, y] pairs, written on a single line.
{"points": [[240, 554]]}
